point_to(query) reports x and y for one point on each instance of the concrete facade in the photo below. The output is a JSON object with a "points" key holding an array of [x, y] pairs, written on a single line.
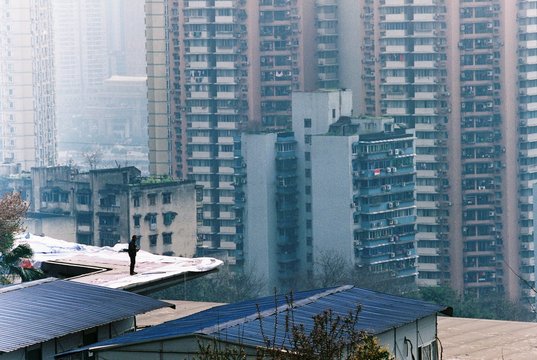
{"points": [[215, 68], [462, 75], [27, 95], [109, 206]]}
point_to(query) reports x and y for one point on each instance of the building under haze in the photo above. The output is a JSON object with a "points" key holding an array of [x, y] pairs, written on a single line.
{"points": [[94, 41], [215, 67], [27, 110], [292, 214], [107, 206], [462, 74], [367, 216], [81, 59]]}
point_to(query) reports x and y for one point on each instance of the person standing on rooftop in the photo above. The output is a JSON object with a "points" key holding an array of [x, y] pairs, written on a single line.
{"points": [[133, 249]]}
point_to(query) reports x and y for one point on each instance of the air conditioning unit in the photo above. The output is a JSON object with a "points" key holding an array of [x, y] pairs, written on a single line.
{"points": [[388, 170], [392, 255], [390, 205]]}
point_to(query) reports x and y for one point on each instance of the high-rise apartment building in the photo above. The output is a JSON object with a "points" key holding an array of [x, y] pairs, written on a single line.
{"points": [[126, 37], [461, 73], [346, 194], [81, 59], [367, 217], [215, 67], [27, 117]]}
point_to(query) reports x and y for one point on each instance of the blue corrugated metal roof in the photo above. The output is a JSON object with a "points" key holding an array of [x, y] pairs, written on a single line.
{"points": [[239, 322], [35, 312]]}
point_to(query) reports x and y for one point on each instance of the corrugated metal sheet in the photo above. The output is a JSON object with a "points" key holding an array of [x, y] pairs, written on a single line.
{"points": [[238, 322], [39, 311]]}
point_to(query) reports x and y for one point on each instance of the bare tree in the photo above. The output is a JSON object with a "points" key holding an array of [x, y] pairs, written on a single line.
{"points": [[93, 157], [332, 337]]}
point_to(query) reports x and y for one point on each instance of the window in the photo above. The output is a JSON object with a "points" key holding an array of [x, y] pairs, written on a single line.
{"points": [[308, 224], [152, 218], [307, 156], [428, 351], [153, 240], [307, 173], [307, 139], [136, 219], [152, 199], [166, 198], [108, 201], [308, 207], [168, 217], [136, 201], [167, 238], [308, 190], [307, 123], [83, 198]]}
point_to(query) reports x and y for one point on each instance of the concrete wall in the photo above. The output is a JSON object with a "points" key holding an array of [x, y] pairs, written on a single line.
{"points": [[63, 227], [331, 196], [260, 213], [72, 341]]}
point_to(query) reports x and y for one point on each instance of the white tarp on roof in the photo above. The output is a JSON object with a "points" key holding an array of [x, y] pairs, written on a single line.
{"points": [[114, 261]]}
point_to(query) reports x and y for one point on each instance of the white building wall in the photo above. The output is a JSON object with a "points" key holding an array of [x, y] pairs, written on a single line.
{"points": [[323, 108], [27, 113], [72, 341], [160, 146], [260, 210], [417, 333], [332, 195]]}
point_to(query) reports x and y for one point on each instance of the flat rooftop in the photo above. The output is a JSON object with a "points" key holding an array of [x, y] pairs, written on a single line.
{"points": [[109, 266], [478, 339], [182, 309]]}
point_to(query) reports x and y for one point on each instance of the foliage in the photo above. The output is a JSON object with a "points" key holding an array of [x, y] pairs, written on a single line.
{"points": [[15, 264], [14, 261], [333, 269], [225, 285], [12, 212], [157, 180], [493, 306], [332, 337]]}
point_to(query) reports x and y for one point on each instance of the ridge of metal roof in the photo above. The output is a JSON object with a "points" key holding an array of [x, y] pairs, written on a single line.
{"points": [[52, 308], [240, 322]]}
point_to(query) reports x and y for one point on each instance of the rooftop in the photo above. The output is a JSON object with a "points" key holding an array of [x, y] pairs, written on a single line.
{"points": [[478, 339], [30, 311], [109, 266], [239, 322]]}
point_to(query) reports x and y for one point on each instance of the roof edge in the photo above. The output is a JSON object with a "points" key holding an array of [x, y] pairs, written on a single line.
{"points": [[276, 310]]}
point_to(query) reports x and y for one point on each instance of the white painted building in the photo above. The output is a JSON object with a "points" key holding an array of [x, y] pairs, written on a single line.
{"points": [[27, 96]]}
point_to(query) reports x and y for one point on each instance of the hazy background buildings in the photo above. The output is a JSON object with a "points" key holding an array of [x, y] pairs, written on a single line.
{"points": [[100, 86], [27, 102], [220, 77]]}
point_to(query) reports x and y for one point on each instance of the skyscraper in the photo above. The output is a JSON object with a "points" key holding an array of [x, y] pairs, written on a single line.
{"points": [[461, 73], [27, 113], [81, 58], [215, 67]]}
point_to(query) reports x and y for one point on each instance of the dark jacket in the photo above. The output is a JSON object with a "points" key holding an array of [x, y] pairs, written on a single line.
{"points": [[132, 248]]}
